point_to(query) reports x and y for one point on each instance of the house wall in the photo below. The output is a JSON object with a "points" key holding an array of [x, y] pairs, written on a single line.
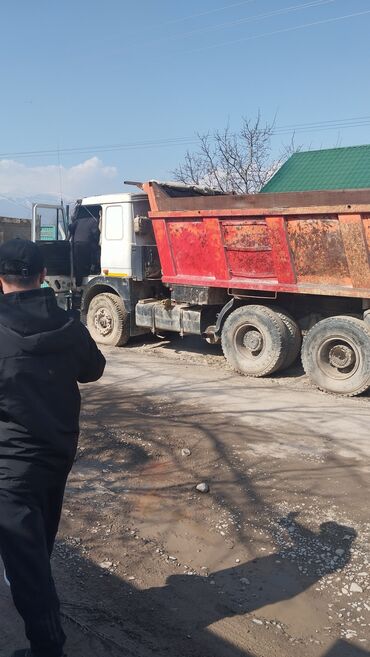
{"points": [[11, 228]]}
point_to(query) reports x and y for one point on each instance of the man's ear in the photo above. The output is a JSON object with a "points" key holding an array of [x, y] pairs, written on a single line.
{"points": [[42, 275]]}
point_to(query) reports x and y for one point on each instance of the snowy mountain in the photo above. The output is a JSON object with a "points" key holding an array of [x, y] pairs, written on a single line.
{"points": [[21, 207]]}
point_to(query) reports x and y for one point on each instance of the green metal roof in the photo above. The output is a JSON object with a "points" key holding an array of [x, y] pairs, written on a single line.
{"points": [[333, 168]]}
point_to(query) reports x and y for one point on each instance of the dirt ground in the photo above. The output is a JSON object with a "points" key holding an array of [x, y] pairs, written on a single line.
{"points": [[273, 561]]}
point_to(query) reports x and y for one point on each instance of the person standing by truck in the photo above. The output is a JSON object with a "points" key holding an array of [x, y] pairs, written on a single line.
{"points": [[85, 235], [44, 353]]}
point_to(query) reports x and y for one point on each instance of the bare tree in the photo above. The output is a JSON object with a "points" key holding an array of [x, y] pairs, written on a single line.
{"points": [[239, 162]]}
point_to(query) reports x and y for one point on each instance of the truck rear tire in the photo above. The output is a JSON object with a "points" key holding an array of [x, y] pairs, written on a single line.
{"points": [[336, 355], [108, 321], [254, 340], [294, 337]]}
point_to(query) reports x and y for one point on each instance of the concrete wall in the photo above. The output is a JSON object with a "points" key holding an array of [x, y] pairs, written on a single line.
{"points": [[10, 228]]}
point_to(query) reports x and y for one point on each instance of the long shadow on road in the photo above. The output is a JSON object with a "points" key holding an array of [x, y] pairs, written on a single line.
{"points": [[106, 616], [181, 617], [342, 648]]}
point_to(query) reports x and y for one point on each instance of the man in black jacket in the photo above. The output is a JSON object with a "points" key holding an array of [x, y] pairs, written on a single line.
{"points": [[44, 353]]}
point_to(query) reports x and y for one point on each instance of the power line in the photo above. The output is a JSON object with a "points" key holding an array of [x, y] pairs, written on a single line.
{"points": [[174, 141], [206, 13], [281, 31], [248, 19], [322, 128], [332, 124], [314, 123], [20, 205], [323, 125]]}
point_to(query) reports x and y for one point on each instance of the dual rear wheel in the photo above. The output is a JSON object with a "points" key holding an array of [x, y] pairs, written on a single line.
{"points": [[260, 340], [336, 355]]}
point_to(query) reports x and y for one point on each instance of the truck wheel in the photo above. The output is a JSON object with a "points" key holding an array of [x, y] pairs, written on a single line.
{"points": [[254, 340], [108, 321], [294, 336], [336, 355]]}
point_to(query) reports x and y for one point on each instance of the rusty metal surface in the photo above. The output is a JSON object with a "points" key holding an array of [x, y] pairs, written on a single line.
{"points": [[251, 264], [240, 235], [283, 258], [192, 250], [334, 200], [366, 225], [308, 251], [355, 248], [188, 239], [274, 211], [318, 250], [164, 247], [248, 248]]}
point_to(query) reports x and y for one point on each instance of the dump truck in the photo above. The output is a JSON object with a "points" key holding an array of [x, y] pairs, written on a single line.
{"points": [[271, 277]]}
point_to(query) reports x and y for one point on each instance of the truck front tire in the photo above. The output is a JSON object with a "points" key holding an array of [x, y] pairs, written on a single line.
{"points": [[254, 340], [108, 321], [336, 355]]}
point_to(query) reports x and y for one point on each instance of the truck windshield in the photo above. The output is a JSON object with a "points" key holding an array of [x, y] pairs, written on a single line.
{"points": [[85, 211]]}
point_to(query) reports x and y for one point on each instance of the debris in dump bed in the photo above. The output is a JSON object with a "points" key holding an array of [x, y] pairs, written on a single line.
{"points": [[203, 487], [106, 564], [185, 451]]}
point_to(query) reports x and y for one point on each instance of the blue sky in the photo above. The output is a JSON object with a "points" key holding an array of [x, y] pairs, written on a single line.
{"points": [[88, 74]]}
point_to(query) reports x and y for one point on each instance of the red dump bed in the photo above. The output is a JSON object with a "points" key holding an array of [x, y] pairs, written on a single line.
{"points": [[307, 242]]}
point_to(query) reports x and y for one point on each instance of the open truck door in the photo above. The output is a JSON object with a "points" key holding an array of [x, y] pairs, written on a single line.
{"points": [[49, 229], [49, 223]]}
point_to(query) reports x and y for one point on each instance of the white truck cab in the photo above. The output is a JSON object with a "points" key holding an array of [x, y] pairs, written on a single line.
{"points": [[123, 269], [117, 215]]}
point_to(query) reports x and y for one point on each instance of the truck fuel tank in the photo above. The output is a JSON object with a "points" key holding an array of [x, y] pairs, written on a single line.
{"points": [[168, 316]]}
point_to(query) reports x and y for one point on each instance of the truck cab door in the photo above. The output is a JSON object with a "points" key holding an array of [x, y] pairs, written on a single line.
{"points": [[49, 223], [49, 229], [116, 239]]}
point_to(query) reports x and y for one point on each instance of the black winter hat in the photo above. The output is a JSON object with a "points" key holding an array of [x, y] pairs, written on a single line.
{"points": [[20, 258]]}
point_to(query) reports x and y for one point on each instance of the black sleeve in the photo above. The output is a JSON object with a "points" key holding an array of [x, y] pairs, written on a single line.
{"points": [[91, 360], [72, 228], [95, 232]]}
